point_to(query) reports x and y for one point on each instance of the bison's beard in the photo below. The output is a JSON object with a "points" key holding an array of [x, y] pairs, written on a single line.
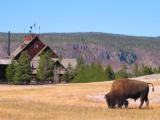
{"points": [[110, 101]]}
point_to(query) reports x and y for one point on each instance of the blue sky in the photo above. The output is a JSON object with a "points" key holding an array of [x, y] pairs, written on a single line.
{"points": [[131, 17]]}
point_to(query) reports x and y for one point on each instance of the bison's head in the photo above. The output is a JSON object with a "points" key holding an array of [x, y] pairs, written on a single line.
{"points": [[110, 100]]}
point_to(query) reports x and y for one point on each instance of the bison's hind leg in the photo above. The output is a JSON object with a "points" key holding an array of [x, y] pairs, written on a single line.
{"points": [[147, 102], [141, 102]]}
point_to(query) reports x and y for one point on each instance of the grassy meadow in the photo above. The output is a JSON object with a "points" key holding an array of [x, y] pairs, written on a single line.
{"points": [[70, 102]]}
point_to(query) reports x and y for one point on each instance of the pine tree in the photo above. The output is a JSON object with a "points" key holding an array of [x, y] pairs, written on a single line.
{"points": [[110, 75], [10, 71], [158, 70], [18, 74], [147, 70], [23, 70], [155, 70], [45, 67], [80, 65], [90, 73], [136, 71], [69, 74], [122, 73], [99, 73]]}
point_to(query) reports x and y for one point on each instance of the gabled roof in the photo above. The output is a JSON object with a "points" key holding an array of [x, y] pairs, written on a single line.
{"points": [[22, 47], [66, 62], [27, 43], [41, 51], [44, 48]]}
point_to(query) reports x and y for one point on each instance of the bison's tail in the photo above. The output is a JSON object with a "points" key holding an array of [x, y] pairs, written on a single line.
{"points": [[152, 86]]}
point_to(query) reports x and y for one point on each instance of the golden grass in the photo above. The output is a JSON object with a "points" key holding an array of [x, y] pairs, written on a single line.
{"points": [[67, 102]]}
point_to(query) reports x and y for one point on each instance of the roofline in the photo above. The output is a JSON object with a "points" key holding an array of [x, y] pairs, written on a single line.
{"points": [[45, 47], [57, 61], [40, 51], [26, 46]]}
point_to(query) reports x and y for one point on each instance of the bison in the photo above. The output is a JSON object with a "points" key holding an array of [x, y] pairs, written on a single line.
{"points": [[121, 90]]}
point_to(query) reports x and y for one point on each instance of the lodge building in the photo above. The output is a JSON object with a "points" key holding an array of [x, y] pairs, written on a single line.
{"points": [[34, 48]]}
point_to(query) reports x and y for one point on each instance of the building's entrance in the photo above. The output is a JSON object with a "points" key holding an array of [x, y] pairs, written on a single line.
{"points": [[2, 73]]}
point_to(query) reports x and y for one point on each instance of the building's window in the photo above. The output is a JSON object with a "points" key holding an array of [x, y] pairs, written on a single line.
{"points": [[35, 46]]}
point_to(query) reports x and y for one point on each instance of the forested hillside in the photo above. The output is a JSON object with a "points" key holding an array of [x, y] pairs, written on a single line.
{"points": [[104, 48]]}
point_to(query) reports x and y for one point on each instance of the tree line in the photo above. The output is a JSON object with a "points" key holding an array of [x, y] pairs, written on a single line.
{"points": [[95, 72], [20, 71]]}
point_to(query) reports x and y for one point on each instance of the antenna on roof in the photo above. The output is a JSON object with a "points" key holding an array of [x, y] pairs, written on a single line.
{"points": [[34, 25], [24, 31], [31, 29], [39, 28], [9, 40]]}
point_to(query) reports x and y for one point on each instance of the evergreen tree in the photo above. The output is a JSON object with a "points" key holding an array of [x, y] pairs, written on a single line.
{"points": [[90, 73], [110, 75], [45, 67], [10, 71], [79, 73], [80, 65], [69, 74], [99, 73], [18, 74], [136, 71], [155, 70], [147, 70], [158, 70], [122, 73], [23, 69], [80, 62]]}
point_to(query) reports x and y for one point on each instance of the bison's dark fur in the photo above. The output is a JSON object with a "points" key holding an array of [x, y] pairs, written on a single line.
{"points": [[121, 90]]}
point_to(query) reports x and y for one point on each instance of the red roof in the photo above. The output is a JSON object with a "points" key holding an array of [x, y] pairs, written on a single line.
{"points": [[32, 51], [28, 38]]}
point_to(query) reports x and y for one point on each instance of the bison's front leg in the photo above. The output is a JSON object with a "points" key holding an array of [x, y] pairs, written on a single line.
{"points": [[120, 103], [126, 103]]}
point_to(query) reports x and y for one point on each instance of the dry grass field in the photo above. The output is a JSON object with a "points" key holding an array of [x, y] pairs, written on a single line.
{"points": [[70, 102]]}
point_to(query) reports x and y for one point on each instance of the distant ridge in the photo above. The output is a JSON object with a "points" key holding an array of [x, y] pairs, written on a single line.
{"points": [[106, 48]]}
